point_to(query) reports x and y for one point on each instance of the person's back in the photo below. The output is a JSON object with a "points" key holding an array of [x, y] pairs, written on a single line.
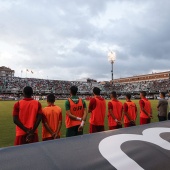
{"points": [[162, 107], [28, 109], [145, 109], [98, 113], [115, 108], [130, 112], [97, 110], [52, 120], [75, 114], [77, 109], [27, 115]]}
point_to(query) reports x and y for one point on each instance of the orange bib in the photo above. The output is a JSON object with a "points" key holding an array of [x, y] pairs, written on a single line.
{"points": [[117, 112], [147, 107], [52, 114], [98, 114], [76, 110], [131, 112], [27, 115]]}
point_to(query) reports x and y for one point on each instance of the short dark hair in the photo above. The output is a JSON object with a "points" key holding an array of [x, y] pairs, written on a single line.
{"points": [[96, 91], [73, 90], [114, 94], [163, 94], [128, 95], [28, 91], [143, 93], [51, 98]]}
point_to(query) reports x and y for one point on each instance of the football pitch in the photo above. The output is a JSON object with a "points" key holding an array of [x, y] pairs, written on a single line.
{"points": [[7, 127]]}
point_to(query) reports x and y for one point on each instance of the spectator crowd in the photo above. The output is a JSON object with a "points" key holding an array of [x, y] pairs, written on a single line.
{"points": [[42, 86]]}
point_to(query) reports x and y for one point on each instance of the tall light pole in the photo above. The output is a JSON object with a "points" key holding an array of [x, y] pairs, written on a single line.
{"points": [[111, 59]]}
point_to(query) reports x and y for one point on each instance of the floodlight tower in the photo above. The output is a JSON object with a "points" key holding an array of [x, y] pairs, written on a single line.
{"points": [[111, 59]]}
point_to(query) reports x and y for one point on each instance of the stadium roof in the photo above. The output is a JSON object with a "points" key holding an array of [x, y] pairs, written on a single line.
{"points": [[146, 77]]}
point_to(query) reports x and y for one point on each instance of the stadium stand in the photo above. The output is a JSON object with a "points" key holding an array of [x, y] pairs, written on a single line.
{"points": [[11, 86]]}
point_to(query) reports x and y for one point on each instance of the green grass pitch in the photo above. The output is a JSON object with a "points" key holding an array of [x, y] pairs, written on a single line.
{"points": [[7, 127]]}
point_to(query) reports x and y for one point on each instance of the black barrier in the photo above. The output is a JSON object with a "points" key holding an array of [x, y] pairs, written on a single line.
{"points": [[140, 147]]}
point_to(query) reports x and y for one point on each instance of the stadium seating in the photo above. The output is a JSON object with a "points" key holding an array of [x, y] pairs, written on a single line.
{"points": [[12, 85]]}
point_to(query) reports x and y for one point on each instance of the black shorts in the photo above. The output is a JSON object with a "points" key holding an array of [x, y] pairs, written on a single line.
{"points": [[73, 131], [169, 116], [162, 118]]}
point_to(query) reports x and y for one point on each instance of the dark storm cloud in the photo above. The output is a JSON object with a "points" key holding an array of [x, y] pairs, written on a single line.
{"points": [[70, 39], [144, 40]]}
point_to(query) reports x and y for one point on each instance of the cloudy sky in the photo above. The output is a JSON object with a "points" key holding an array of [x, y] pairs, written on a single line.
{"points": [[70, 39]]}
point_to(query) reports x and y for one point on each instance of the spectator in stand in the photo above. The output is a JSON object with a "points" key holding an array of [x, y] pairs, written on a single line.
{"points": [[130, 112], [97, 110], [52, 120], [115, 112], [162, 107], [145, 109], [27, 114], [76, 114]]}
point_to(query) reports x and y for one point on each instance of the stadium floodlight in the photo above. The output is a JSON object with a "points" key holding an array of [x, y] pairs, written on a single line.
{"points": [[111, 59]]}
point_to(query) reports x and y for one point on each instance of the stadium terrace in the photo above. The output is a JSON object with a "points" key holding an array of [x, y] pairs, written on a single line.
{"points": [[12, 86]]}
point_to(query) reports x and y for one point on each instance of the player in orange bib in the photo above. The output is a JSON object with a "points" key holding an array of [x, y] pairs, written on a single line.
{"points": [[51, 119], [145, 109], [97, 108], [130, 112], [27, 114], [76, 114], [115, 112]]}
